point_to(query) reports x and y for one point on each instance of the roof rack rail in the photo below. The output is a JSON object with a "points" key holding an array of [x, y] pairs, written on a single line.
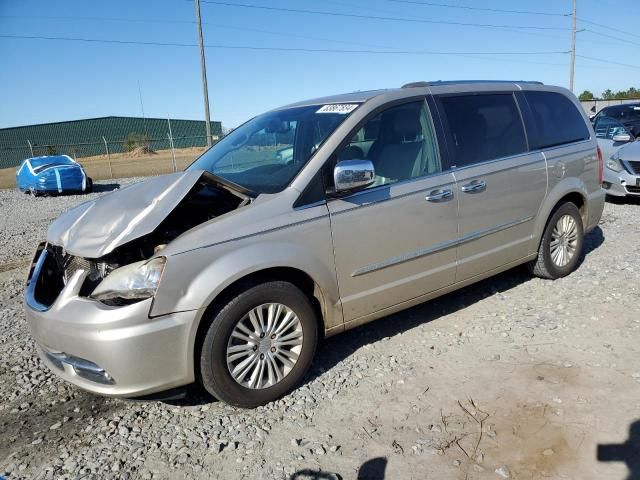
{"points": [[463, 82]]}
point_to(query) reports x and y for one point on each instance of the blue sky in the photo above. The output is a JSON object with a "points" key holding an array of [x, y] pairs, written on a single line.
{"points": [[43, 81]]}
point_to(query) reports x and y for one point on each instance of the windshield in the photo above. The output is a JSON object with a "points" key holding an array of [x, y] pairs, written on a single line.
{"points": [[625, 113], [40, 163], [267, 152]]}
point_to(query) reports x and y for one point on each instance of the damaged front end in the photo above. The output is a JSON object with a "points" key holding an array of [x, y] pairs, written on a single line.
{"points": [[129, 265]]}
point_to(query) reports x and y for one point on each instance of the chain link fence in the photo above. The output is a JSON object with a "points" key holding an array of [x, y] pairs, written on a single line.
{"points": [[137, 155]]}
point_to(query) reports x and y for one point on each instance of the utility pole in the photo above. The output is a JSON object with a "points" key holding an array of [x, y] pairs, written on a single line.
{"points": [[203, 66], [573, 48], [144, 119]]}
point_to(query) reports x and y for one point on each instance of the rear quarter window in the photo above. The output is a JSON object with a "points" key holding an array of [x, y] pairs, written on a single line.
{"points": [[557, 120]]}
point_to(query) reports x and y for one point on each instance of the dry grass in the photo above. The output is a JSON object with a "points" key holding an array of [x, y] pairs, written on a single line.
{"points": [[122, 165]]}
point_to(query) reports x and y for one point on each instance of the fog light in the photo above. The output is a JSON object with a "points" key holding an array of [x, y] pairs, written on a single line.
{"points": [[81, 367]]}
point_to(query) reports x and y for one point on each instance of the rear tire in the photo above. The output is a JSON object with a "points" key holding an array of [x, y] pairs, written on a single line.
{"points": [[89, 187], [561, 245], [236, 331]]}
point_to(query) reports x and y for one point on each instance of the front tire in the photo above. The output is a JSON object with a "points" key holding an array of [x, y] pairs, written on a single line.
{"points": [[259, 345], [561, 245]]}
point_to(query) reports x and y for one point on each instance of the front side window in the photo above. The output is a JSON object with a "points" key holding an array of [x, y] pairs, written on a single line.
{"points": [[400, 142], [557, 119], [483, 127], [607, 127], [267, 152]]}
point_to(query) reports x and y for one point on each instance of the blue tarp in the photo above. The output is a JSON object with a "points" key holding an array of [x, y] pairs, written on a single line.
{"points": [[51, 174]]}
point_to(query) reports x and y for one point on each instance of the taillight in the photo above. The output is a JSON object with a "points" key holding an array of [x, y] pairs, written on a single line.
{"points": [[600, 167]]}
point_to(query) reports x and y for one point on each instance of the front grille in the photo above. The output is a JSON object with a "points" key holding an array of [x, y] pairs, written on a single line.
{"points": [[634, 166], [72, 264], [58, 269], [48, 282], [633, 189]]}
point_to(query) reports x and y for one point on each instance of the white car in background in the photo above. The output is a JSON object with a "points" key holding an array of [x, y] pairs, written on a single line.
{"points": [[621, 152]]}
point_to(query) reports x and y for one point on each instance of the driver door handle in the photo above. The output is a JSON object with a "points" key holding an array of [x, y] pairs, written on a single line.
{"points": [[474, 187], [438, 195]]}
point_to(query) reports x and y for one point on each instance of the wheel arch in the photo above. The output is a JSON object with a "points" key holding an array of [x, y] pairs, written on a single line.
{"points": [[570, 190], [293, 275]]}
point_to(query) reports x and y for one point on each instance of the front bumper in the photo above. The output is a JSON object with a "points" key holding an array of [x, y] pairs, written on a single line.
{"points": [[113, 351], [621, 184]]}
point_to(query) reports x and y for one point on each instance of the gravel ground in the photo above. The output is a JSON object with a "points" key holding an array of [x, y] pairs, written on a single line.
{"points": [[513, 377]]}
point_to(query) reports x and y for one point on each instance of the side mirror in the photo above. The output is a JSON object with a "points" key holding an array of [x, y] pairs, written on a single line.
{"points": [[350, 175], [621, 138]]}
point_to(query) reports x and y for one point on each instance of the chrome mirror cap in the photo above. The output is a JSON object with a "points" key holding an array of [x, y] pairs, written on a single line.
{"points": [[350, 175], [622, 137]]}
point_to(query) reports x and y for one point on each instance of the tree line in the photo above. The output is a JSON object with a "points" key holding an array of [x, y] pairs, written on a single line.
{"points": [[609, 94]]}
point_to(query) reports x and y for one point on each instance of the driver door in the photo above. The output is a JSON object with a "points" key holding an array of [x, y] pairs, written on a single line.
{"points": [[395, 240]]}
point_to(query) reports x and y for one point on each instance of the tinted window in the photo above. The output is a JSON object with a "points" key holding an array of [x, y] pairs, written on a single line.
{"points": [[607, 127], [623, 112], [483, 127], [557, 119], [400, 142]]}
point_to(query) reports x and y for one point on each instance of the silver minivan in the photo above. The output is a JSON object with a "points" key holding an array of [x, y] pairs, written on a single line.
{"points": [[307, 221]]}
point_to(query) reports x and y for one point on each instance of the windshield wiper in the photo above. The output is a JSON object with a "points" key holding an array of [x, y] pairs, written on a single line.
{"points": [[212, 177]]}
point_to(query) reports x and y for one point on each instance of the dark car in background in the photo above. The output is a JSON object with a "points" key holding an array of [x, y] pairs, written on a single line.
{"points": [[627, 114]]}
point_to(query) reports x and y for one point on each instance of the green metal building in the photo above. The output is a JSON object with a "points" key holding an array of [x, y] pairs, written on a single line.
{"points": [[85, 138]]}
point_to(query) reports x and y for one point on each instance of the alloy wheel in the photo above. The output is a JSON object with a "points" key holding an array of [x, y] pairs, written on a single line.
{"points": [[264, 346], [564, 240]]}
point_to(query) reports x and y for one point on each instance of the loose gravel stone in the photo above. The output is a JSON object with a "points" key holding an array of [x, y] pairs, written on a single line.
{"points": [[513, 344], [503, 472]]}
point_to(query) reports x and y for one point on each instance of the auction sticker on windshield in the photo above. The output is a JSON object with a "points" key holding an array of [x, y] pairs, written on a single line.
{"points": [[342, 108]]}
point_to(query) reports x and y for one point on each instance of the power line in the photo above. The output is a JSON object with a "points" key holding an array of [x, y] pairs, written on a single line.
{"points": [[99, 19], [192, 22], [602, 60], [608, 27], [494, 10], [588, 30], [246, 29], [278, 49], [378, 17]]}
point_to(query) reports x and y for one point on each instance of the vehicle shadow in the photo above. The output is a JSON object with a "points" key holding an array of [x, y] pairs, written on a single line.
{"points": [[627, 452], [105, 187], [335, 349], [592, 241], [628, 200], [373, 469]]}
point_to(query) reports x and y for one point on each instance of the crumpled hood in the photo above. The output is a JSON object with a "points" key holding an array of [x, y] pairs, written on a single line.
{"points": [[97, 227]]}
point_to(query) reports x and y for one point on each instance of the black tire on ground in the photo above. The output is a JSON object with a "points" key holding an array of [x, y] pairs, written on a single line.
{"points": [[89, 187], [212, 368], [544, 266]]}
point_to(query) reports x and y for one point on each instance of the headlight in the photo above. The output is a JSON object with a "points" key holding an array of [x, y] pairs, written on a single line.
{"points": [[136, 281], [614, 164]]}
